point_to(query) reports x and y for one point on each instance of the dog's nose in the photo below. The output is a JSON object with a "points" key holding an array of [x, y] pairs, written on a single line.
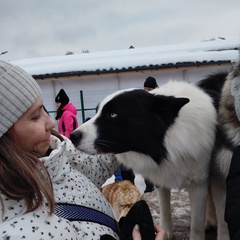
{"points": [[75, 137]]}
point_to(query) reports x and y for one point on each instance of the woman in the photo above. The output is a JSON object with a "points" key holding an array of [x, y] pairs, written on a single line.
{"points": [[48, 189], [39, 170], [66, 114]]}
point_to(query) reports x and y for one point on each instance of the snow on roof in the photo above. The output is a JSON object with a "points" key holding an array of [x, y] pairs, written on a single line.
{"points": [[210, 51]]}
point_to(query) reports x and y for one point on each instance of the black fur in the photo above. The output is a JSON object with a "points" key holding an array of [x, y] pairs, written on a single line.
{"points": [[213, 85], [125, 114]]}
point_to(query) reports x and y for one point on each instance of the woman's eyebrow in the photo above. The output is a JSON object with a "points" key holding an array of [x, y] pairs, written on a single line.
{"points": [[37, 109]]}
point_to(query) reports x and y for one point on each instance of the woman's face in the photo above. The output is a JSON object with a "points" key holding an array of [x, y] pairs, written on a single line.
{"points": [[148, 89], [58, 104], [32, 130]]}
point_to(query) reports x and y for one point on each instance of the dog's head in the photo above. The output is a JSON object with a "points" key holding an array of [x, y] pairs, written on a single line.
{"points": [[129, 120]]}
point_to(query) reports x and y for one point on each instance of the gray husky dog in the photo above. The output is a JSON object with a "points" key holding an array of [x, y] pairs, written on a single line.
{"points": [[227, 99]]}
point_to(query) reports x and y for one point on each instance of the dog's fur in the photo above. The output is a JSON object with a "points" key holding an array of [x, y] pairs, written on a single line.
{"points": [[121, 195], [167, 136], [227, 138]]}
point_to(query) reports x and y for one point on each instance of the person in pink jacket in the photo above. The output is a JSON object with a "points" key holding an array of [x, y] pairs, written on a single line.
{"points": [[66, 114]]}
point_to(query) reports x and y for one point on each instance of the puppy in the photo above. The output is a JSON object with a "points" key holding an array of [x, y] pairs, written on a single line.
{"points": [[121, 195]]}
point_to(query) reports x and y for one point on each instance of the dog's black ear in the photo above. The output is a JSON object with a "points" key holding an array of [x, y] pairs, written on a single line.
{"points": [[168, 107]]}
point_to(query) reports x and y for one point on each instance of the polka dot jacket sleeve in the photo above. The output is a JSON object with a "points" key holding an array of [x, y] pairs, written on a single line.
{"points": [[98, 168]]}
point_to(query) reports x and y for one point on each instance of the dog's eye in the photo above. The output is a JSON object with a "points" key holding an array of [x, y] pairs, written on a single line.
{"points": [[113, 115]]}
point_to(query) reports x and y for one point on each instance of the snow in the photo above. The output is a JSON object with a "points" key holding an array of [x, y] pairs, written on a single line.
{"points": [[219, 50]]}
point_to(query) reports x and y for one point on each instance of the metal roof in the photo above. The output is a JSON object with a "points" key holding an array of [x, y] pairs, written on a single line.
{"points": [[129, 60]]}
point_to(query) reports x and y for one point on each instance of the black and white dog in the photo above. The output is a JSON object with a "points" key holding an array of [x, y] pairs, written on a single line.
{"points": [[166, 135]]}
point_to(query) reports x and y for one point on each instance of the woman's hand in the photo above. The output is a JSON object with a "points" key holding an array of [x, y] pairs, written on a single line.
{"points": [[159, 233]]}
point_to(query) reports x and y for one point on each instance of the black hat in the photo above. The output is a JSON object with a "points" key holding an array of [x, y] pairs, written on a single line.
{"points": [[150, 82], [62, 97]]}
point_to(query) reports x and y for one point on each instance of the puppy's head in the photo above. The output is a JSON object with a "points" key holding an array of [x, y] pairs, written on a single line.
{"points": [[129, 120]]}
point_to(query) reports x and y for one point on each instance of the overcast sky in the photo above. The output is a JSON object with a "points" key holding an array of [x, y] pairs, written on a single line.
{"points": [[42, 28]]}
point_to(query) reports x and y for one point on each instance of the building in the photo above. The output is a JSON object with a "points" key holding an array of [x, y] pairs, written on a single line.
{"points": [[89, 77]]}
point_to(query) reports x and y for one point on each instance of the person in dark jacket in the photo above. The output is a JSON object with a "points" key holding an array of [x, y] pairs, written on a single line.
{"points": [[232, 208], [150, 84], [66, 114]]}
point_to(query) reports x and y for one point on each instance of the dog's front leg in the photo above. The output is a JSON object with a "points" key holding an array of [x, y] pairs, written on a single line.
{"points": [[198, 201], [164, 196]]}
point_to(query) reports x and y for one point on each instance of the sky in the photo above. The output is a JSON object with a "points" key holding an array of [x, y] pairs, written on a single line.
{"points": [[42, 28]]}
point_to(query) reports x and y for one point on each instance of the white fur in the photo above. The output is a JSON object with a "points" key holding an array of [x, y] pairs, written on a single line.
{"points": [[89, 129], [89, 134]]}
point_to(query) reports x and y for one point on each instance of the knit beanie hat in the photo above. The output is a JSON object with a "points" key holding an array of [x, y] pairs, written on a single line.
{"points": [[62, 97], [150, 82], [18, 91]]}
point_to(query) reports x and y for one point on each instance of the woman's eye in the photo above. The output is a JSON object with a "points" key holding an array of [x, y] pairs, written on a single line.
{"points": [[113, 115], [36, 117]]}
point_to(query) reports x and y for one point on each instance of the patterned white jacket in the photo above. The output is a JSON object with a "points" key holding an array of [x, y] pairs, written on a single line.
{"points": [[76, 179]]}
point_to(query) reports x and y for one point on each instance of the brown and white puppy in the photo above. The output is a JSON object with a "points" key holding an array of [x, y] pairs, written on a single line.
{"points": [[121, 195]]}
